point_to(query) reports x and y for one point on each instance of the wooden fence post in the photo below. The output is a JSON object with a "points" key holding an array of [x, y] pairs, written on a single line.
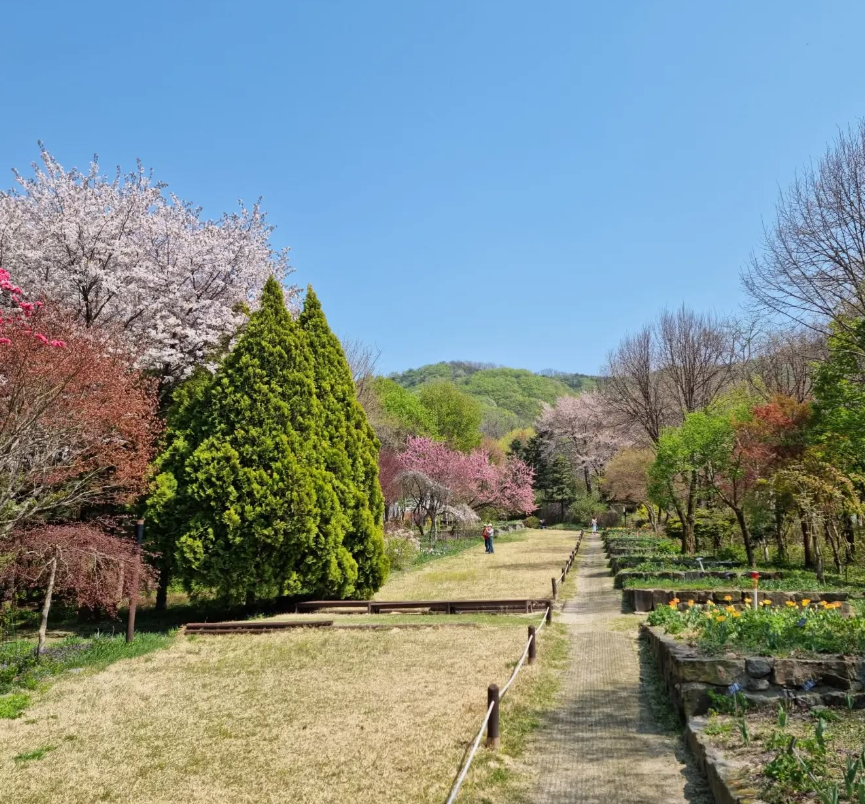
{"points": [[555, 589], [493, 739], [533, 645]]}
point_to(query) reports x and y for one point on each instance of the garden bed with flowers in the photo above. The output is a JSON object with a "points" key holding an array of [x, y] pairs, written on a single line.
{"points": [[808, 652]]}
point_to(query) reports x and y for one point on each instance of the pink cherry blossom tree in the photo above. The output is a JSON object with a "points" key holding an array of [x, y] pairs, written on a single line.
{"points": [[16, 312], [122, 252], [437, 480]]}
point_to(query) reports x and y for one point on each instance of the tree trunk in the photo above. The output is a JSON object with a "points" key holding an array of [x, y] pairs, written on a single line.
{"points": [[46, 607], [162, 589], [746, 535], [588, 479], [779, 532], [806, 543], [688, 540], [849, 540], [834, 538]]}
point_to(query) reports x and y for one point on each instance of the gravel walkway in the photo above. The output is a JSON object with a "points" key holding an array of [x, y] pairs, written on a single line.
{"points": [[600, 744]]}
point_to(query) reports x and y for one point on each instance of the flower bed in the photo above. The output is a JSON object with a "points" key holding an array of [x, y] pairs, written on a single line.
{"points": [[781, 756], [804, 627], [810, 653], [642, 600]]}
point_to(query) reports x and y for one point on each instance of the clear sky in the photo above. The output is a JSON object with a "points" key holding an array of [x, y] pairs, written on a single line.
{"points": [[514, 182]]}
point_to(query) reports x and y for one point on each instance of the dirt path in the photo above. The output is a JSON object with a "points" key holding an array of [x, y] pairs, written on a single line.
{"points": [[601, 744]]}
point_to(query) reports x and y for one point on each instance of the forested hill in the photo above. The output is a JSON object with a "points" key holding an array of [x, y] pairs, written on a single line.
{"points": [[516, 394]]}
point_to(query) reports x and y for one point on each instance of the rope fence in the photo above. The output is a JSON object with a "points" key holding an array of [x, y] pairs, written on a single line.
{"points": [[490, 722]]}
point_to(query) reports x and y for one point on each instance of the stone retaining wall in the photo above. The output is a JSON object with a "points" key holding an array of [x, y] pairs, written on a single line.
{"points": [[650, 599], [688, 676]]}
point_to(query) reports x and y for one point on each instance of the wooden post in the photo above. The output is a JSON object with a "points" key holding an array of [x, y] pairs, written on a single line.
{"points": [[555, 589], [133, 593], [550, 614], [493, 739], [533, 646]]}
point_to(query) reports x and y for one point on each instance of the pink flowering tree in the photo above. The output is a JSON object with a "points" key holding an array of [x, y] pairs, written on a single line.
{"points": [[121, 252], [16, 313], [438, 481]]}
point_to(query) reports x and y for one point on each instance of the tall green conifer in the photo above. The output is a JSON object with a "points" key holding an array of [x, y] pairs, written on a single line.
{"points": [[350, 449], [242, 483]]}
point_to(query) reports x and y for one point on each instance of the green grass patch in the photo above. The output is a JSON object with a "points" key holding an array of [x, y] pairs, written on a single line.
{"points": [[36, 754], [12, 705], [20, 668]]}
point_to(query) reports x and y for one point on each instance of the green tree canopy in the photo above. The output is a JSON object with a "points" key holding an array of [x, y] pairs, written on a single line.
{"points": [[350, 449], [242, 494], [401, 410], [455, 416]]}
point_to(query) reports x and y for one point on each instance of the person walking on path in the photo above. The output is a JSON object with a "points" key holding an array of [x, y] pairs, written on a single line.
{"points": [[488, 538], [594, 525]]}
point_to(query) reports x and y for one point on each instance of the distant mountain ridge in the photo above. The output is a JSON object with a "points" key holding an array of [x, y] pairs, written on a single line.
{"points": [[510, 397]]}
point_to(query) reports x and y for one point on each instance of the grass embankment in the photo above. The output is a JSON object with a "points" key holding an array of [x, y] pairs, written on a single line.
{"points": [[315, 716], [521, 567]]}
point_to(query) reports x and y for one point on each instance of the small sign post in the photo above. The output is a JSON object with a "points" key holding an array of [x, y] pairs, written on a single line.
{"points": [[755, 578]]}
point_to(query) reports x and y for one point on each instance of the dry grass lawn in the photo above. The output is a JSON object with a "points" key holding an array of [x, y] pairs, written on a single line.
{"points": [[518, 568], [311, 716]]}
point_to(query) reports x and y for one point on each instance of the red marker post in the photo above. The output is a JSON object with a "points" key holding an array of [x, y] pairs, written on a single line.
{"points": [[755, 578]]}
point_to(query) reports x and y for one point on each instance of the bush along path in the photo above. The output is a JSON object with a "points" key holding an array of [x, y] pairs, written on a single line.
{"points": [[600, 744]]}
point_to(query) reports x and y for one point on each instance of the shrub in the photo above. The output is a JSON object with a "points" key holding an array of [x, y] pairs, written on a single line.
{"points": [[401, 550], [532, 522]]}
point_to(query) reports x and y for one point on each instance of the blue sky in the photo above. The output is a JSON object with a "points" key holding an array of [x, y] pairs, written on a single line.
{"points": [[511, 182]]}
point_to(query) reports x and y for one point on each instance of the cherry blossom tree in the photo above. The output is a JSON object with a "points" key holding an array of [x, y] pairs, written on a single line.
{"points": [[439, 480], [16, 312], [77, 424], [581, 429], [122, 252]]}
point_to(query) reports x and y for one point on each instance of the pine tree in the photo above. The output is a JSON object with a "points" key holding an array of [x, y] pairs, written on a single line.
{"points": [[350, 449], [242, 483]]}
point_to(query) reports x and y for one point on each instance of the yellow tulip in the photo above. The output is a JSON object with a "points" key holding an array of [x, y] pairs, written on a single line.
{"points": [[805, 602], [790, 603], [720, 618], [690, 604], [728, 598], [730, 608], [737, 613]]}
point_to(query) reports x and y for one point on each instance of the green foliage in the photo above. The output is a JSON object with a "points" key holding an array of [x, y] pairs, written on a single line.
{"points": [[402, 409], [349, 450], [11, 706], [455, 416], [713, 529], [532, 522], [242, 494], [513, 397], [768, 631], [586, 506], [401, 552], [839, 406]]}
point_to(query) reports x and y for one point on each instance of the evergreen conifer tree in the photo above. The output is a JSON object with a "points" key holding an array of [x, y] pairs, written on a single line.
{"points": [[350, 449], [242, 483]]}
